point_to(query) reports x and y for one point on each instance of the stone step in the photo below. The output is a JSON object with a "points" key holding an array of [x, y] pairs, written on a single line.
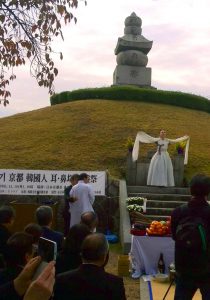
{"points": [[162, 197], [159, 211], [164, 204], [157, 217], [157, 190]]}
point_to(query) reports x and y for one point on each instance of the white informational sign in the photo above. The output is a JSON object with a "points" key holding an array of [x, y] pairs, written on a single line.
{"points": [[40, 182]]}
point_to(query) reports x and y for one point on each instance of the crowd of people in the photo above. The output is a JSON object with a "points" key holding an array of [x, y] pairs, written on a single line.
{"points": [[79, 269], [81, 252]]}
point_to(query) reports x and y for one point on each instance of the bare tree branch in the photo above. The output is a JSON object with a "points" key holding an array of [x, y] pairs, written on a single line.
{"points": [[27, 28]]}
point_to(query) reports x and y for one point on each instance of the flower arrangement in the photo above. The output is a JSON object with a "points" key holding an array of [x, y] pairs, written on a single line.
{"points": [[129, 144], [180, 147], [135, 200], [136, 204], [134, 207]]}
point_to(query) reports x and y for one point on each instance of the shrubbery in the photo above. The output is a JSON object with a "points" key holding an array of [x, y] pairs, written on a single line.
{"points": [[130, 93]]}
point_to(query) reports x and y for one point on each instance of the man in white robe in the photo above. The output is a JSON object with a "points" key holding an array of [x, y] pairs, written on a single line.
{"points": [[82, 198]]}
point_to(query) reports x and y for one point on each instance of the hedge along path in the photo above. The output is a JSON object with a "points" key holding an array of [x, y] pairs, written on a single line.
{"points": [[132, 93]]}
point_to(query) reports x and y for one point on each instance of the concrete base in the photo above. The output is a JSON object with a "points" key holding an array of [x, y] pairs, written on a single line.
{"points": [[136, 173], [130, 170], [178, 164], [125, 236], [141, 173], [131, 75]]}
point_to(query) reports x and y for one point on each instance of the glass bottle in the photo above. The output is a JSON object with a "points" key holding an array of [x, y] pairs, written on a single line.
{"points": [[161, 264]]}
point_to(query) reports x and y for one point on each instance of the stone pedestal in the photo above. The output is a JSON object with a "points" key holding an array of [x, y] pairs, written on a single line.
{"points": [[131, 75], [141, 174], [136, 172], [178, 164], [130, 170]]}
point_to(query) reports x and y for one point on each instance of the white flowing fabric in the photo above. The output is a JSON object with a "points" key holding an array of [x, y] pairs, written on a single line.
{"points": [[160, 170]]}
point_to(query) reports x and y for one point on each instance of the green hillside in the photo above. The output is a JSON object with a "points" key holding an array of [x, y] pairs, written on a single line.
{"points": [[90, 135]]}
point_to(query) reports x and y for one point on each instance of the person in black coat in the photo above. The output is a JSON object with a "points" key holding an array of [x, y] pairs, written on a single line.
{"points": [[25, 287], [44, 217], [19, 252], [90, 281], [70, 257], [7, 217], [66, 213], [191, 272]]}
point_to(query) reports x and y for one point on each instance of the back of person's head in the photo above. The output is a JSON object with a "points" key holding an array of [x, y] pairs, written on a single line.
{"points": [[95, 249], [35, 230], [44, 215], [90, 219], [74, 178], [83, 176], [19, 249], [7, 214], [75, 237], [200, 185]]}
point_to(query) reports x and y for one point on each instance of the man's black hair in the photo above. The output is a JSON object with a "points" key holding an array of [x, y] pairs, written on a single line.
{"points": [[6, 214], [44, 215], [18, 245], [83, 176], [73, 242], [35, 230], [74, 177], [200, 185]]}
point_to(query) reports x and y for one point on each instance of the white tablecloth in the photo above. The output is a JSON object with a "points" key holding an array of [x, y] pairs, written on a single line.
{"points": [[145, 253]]}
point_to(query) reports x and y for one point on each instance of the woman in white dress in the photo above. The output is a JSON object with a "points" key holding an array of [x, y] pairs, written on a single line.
{"points": [[160, 169]]}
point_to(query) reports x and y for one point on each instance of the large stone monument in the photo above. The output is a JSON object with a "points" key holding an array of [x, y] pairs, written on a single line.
{"points": [[131, 51]]}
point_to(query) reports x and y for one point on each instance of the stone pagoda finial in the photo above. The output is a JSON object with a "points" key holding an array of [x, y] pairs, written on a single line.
{"points": [[131, 51]]}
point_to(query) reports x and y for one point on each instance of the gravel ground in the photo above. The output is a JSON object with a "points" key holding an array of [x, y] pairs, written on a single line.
{"points": [[131, 286]]}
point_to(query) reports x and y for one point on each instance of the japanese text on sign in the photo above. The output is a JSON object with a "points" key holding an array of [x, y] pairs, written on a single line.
{"points": [[40, 182]]}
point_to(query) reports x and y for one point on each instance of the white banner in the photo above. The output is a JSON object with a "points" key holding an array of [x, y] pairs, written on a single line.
{"points": [[40, 182]]}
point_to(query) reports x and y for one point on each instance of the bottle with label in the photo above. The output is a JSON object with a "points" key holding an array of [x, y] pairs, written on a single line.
{"points": [[161, 264]]}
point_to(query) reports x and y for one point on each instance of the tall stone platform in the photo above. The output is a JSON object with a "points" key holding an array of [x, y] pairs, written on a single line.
{"points": [[136, 172], [131, 52]]}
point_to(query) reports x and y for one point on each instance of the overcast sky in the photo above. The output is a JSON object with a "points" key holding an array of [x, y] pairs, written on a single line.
{"points": [[179, 58]]}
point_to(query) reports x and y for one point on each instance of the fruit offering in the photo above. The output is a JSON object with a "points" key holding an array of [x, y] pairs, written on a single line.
{"points": [[159, 228]]}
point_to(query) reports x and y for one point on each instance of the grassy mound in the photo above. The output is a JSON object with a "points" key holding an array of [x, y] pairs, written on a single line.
{"points": [[90, 135], [132, 93]]}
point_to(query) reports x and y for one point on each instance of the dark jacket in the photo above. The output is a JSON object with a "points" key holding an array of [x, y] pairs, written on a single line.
{"points": [[196, 207], [67, 261], [9, 273], [4, 235], [67, 196], [7, 292], [66, 213], [89, 282], [53, 235]]}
